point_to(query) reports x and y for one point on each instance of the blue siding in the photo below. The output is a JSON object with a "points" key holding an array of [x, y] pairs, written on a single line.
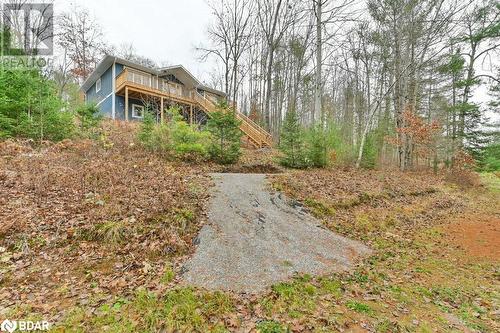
{"points": [[106, 107], [120, 107], [118, 69], [105, 99], [103, 95]]}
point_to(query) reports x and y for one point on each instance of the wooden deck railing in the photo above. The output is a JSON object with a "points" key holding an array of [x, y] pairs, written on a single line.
{"points": [[153, 82], [267, 138]]}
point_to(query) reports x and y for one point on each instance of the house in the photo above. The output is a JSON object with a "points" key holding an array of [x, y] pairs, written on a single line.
{"points": [[122, 89]]}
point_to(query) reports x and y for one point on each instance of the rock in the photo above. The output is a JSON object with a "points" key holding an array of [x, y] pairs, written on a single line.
{"points": [[244, 245]]}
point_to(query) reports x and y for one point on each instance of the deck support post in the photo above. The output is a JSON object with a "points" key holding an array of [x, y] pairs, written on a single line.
{"points": [[161, 110], [191, 114], [126, 103]]}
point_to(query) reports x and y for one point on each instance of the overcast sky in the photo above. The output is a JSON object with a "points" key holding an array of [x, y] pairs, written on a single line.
{"points": [[163, 30]]}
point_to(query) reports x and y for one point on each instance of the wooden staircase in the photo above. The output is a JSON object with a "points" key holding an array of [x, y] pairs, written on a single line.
{"points": [[257, 136]]}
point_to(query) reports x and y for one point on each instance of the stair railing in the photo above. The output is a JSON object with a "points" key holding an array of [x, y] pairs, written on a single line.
{"points": [[259, 135]]}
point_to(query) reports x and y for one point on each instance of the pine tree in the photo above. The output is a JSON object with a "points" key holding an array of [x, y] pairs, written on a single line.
{"points": [[226, 136], [318, 146], [145, 134], [89, 117], [292, 142]]}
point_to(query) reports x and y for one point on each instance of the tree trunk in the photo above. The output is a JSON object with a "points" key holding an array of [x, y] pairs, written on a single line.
{"points": [[319, 60]]}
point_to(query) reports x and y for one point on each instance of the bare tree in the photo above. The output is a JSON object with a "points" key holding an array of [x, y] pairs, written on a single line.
{"points": [[275, 17], [230, 37], [127, 51], [362, 66], [81, 36]]}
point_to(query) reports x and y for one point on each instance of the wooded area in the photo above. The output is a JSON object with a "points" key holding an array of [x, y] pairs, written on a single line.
{"points": [[371, 69], [383, 82]]}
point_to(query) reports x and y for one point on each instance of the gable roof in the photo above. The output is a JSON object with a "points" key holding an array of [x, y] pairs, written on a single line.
{"points": [[211, 90], [179, 71], [106, 63]]}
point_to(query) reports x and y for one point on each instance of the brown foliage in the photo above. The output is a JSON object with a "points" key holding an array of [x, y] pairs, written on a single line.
{"points": [[106, 205], [416, 136], [462, 171]]}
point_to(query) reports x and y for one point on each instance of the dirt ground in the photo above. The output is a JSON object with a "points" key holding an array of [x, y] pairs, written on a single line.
{"points": [[478, 236]]}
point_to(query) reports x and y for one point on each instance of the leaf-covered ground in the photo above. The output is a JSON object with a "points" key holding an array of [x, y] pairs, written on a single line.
{"points": [[93, 234], [85, 220], [436, 267]]}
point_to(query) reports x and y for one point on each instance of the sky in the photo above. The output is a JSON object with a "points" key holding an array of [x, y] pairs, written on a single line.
{"points": [[167, 31]]}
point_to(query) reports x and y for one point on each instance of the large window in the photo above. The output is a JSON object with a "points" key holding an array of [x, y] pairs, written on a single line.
{"points": [[98, 85], [137, 111]]}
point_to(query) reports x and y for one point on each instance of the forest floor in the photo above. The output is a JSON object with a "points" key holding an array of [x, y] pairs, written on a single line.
{"points": [[94, 235]]}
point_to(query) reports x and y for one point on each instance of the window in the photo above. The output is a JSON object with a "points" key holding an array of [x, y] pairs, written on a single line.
{"points": [[137, 111], [98, 85]]}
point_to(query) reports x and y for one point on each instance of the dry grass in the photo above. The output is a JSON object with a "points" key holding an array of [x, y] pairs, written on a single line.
{"points": [[425, 275]]}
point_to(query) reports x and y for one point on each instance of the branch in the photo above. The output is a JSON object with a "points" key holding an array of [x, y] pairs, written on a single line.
{"points": [[487, 76]]}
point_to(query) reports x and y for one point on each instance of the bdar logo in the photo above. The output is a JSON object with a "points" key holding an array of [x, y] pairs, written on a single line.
{"points": [[8, 326]]}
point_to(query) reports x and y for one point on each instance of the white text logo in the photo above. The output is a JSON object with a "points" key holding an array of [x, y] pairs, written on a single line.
{"points": [[24, 325], [9, 326]]}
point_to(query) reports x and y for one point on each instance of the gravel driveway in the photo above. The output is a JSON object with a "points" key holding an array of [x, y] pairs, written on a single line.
{"points": [[255, 238]]}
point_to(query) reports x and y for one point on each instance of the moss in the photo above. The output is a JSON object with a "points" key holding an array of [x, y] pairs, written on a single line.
{"points": [[318, 208], [359, 307]]}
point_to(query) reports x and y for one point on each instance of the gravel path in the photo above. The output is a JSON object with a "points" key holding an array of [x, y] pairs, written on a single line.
{"points": [[255, 239]]}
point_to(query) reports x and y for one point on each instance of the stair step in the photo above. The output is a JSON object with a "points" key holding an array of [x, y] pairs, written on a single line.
{"points": [[257, 135]]}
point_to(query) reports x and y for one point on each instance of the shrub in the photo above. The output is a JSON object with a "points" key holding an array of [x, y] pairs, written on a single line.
{"points": [[146, 131], [370, 153], [490, 158], [462, 172], [324, 146], [155, 137], [188, 142], [31, 108], [226, 137], [342, 152], [175, 139], [89, 118], [318, 147]]}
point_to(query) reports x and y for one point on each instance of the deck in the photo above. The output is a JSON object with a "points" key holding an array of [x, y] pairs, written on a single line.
{"points": [[134, 84]]}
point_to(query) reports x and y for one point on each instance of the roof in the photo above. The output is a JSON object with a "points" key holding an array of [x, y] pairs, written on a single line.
{"points": [[107, 62], [182, 74], [211, 90], [179, 71]]}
